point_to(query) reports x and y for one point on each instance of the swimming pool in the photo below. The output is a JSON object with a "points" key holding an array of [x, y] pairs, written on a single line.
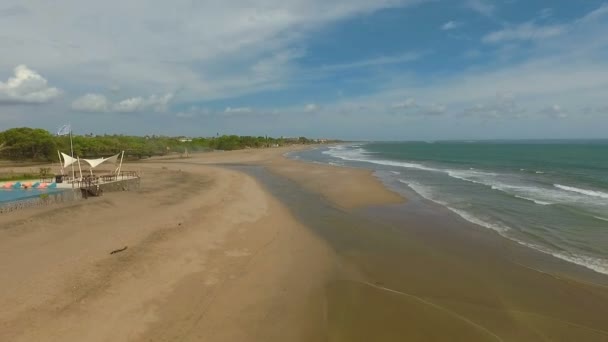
{"points": [[10, 195]]}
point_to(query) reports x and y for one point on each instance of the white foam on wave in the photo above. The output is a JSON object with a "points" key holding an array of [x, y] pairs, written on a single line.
{"points": [[533, 200], [596, 264], [530, 193], [536, 194], [592, 193], [601, 218], [423, 191], [395, 172], [428, 194], [471, 218], [469, 176], [359, 155]]}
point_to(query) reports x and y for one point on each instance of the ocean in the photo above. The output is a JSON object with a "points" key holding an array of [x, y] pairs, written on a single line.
{"points": [[548, 195]]}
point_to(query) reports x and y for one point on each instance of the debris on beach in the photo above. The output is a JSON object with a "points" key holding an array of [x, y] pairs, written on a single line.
{"points": [[119, 250]]}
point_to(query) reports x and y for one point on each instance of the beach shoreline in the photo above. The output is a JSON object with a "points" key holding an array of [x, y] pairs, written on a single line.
{"points": [[250, 245]]}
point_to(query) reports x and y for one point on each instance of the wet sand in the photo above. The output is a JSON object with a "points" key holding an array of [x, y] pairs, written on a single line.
{"points": [[414, 272], [261, 248]]}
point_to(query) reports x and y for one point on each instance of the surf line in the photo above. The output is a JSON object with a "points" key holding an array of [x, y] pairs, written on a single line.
{"points": [[557, 277], [426, 302]]}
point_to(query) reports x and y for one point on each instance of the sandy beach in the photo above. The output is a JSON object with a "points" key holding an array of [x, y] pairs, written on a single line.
{"points": [[251, 246]]}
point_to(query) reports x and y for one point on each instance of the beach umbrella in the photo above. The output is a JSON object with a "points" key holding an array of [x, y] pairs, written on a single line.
{"points": [[7, 185], [17, 185], [43, 186], [36, 185], [52, 186]]}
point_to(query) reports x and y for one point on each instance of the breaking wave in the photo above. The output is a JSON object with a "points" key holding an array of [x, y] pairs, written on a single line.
{"points": [[591, 193]]}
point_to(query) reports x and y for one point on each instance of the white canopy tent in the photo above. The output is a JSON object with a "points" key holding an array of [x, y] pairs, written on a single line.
{"points": [[67, 161], [96, 162], [93, 163]]}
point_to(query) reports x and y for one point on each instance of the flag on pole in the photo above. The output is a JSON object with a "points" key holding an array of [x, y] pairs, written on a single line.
{"points": [[64, 130]]}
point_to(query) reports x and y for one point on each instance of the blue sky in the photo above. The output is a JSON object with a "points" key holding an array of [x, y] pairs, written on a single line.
{"points": [[352, 69]]}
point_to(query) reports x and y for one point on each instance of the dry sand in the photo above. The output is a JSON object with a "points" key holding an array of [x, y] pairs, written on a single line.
{"points": [[210, 256], [214, 255], [345, 187]]}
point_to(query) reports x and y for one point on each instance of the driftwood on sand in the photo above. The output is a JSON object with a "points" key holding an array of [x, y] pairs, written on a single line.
{"points": [[119, 250]]}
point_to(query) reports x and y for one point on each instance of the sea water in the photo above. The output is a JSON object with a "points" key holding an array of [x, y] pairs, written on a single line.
{"points": [[548, 195]]}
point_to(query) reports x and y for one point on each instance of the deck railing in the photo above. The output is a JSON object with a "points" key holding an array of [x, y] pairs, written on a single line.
{"points": [[88, 180]]}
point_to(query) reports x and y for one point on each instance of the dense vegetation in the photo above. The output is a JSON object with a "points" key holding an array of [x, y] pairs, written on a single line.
{"points": [[38, 144]]}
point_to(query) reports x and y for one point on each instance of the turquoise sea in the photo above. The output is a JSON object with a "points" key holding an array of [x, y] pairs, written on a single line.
{"points": [[548, 195]]}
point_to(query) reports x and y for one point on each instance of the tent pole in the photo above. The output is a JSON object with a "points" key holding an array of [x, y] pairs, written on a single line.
{"points": [[79, 168], [120, 165], [60, 162], [72, 151]]}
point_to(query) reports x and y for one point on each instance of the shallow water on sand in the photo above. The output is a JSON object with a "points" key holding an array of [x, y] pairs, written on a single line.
{"points": [[408, 272]]}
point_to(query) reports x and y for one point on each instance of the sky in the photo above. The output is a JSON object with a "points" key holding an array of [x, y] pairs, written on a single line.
{"points": [[349, 69]]}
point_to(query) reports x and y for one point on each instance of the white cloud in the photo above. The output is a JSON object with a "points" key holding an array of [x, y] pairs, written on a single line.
{"points": [[238, 110], [530, 31], [451, 25], [129, 105], [199, 50], [534, 83], [311, 107], [503, 106], [202, 51], [596, 14], [434, 109], [408, 103], [525, 31], [26, 86], [99, 103], [91, 103], [378, 61], [483, 7], [193, 112], [138, 104], [555, 111], [546, 13]]}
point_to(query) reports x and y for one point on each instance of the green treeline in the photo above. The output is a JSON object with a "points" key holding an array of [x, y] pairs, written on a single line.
{"points": [[38, 144]]}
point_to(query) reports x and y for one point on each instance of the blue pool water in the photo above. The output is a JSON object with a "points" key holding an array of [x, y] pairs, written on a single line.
{"points": [[11, 195]]}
